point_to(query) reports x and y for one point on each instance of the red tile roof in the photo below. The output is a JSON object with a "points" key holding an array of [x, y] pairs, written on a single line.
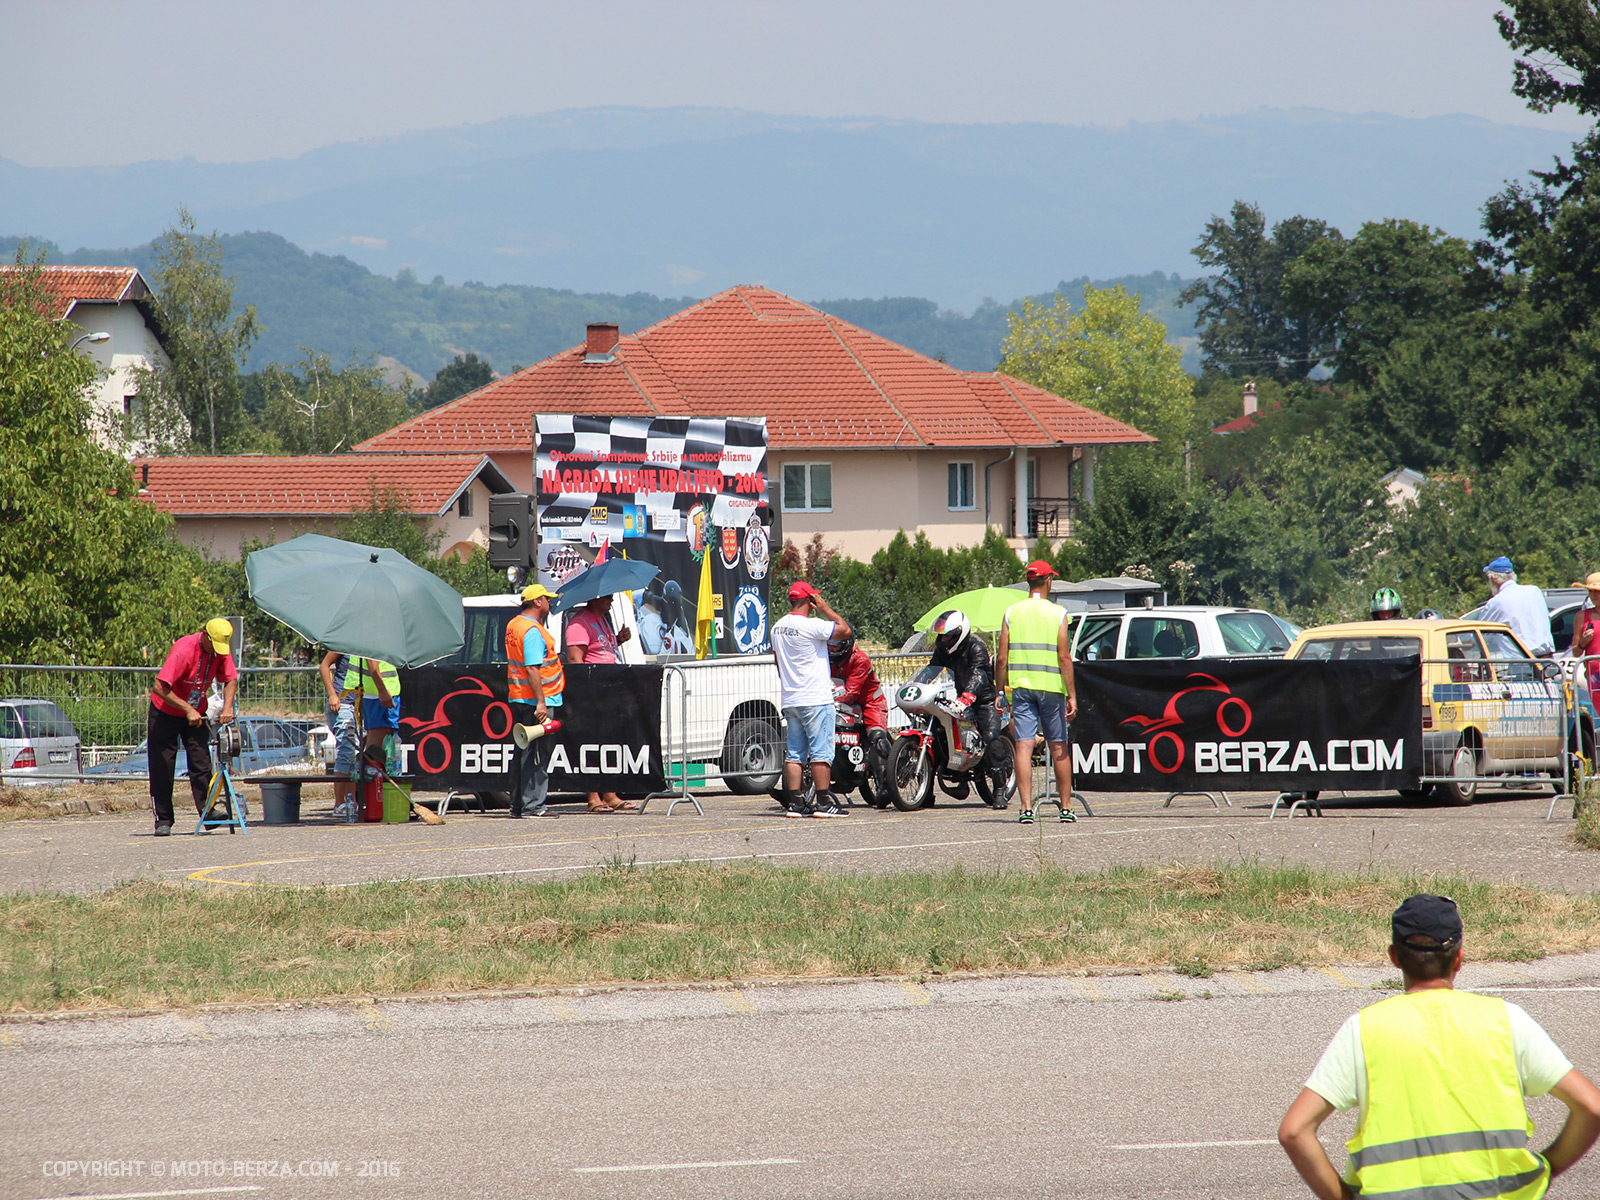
{"points": [[70, 286], [749, 351], [248, 485]]}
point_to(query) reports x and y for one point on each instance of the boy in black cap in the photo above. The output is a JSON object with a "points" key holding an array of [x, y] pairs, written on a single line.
{"points": [[1439, 1077]]}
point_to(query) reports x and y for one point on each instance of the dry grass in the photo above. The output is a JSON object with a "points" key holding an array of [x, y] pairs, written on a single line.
{"points": [[160, 944], [34, 803]]}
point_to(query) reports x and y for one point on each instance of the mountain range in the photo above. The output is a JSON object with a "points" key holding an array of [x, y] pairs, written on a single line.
{"points": [[689, 201]]}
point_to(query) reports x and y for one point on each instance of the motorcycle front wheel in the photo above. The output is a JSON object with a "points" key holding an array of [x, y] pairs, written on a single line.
{"points": [[910, 775], [996, 785]]}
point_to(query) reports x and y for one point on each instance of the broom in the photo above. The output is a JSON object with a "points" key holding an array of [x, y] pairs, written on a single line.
{"points": [[375, 759]]}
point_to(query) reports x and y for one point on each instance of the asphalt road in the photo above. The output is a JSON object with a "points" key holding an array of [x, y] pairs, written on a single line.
{"points": [[963, 1088], [1503, 837]]}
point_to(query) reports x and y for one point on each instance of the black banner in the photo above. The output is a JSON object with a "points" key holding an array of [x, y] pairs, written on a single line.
{"points": [[455, 729], [1247, 725]]}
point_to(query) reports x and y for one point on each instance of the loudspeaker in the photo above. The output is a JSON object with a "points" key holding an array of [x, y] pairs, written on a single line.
{"points": [[512, 532], [522, 735]]}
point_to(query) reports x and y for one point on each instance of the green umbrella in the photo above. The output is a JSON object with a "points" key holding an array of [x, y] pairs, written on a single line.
{"points": [[366, 600], [985, 607]]}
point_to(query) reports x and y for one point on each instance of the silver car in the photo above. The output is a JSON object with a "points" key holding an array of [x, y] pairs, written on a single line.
{"points": [[37, 741]]}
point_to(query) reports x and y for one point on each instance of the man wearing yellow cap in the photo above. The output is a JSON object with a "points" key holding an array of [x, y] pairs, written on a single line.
{"points": [[176, 713], [535, 680]]}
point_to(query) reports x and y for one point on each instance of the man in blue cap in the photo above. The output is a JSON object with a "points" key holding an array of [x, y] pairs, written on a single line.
{"points": [[1519, 605]]}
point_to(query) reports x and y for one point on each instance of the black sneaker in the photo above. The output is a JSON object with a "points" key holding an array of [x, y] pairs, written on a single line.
{"points": [[828, 806], [1067, 815], [798, 809], [1025, 817], [164, 829]]}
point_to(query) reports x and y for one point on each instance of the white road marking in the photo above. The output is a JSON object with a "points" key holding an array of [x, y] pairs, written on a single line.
{"points": [[1196, 1145], [690, 1166], [211, 1191], [755, 857], [1548, 987]]}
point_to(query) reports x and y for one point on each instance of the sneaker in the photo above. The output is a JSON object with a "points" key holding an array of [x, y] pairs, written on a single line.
{"points": [[1068, 817], [828, 806], [799, 808], [164, 829], [1025, 817]]}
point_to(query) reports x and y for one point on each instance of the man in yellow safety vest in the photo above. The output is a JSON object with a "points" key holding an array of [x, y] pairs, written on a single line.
{"points": [[1035, 666], [1439, 1077]]}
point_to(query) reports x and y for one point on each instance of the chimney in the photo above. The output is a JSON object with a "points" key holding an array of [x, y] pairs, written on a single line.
{"points": [[602, 344], [1249, 388]]}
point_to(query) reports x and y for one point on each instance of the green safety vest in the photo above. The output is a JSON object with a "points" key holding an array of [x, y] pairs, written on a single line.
{"points": [[373, 666], [1031, 658], [1445, 1114]]}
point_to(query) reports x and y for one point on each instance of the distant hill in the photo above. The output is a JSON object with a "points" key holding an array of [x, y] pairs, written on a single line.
{"points": [[331, 304], [673, 201]]}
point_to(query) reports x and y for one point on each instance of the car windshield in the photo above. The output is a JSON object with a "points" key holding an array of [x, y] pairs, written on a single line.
{"points": [[485, 630], [1344, 649], [45, 720], [1517, 667], [1251, 633]]}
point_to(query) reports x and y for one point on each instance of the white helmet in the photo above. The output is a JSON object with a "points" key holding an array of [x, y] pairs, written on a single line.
{"points": [[951, 629]]}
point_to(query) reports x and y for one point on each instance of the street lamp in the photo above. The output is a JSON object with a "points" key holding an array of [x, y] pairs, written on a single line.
{"points": [[94, 339]]}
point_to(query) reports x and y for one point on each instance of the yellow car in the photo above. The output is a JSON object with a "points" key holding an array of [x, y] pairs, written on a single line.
{"points": [[1489, 708]]}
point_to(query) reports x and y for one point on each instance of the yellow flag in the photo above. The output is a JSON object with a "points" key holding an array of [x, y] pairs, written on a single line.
{"points": [[704, 620]]}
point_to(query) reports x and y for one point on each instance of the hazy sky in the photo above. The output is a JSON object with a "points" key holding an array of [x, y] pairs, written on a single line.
{"points": [[116, 82]]}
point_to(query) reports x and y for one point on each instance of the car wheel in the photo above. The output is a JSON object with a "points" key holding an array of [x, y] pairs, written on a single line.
{"points": [[1463, 786], [910, 775], [752, 761]]}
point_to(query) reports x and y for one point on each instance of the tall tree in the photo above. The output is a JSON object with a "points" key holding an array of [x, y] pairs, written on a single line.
{"points": [[1247, 326], [1107, 356], [457, 378], [206, 338], [321, 410], [89, 572]]}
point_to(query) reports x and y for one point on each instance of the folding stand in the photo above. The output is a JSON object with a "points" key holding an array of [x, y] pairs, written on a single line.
{"points": [[224, 806]]}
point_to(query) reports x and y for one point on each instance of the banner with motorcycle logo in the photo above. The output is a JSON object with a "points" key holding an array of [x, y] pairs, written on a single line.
{"points": [[674, 491], [1247, 725], [455, 729]]}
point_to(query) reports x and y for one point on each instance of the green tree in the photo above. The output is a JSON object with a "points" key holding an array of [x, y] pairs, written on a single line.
{"points": [[1247, 326], [196, 400], [321, 410], [89, 573], [1107, 356], [457, 378]]}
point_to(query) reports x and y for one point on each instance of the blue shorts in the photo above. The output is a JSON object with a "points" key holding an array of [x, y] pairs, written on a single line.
{"points": [[810, 731], [1031, 708], [375, 716]]}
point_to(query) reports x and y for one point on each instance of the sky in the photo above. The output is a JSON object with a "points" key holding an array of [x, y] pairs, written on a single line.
{"points": [[243, 80]]}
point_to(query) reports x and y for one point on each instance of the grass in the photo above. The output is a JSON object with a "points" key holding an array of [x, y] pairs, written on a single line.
{"points": [[148, 943], [1586, 832]]}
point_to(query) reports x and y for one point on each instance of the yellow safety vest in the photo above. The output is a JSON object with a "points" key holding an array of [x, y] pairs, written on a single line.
{"points": [[372, 666], [1445, 1114], [1031, 659]]}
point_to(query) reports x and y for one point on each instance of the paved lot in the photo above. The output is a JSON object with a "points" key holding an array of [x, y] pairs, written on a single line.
{"points": [[1504, 837], [994, 1088]]}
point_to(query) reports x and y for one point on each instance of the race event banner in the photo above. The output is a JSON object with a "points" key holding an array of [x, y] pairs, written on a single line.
{"points": [[673, 491], [455, 730], [1247, 725]]}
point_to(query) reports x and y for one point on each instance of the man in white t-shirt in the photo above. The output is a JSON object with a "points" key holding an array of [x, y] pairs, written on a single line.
{"points": [[1519, 605], [1439, 1078], [805, 690]]}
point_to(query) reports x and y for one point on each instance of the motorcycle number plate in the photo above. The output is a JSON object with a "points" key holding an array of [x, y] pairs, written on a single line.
{"points": [[857, 756]]}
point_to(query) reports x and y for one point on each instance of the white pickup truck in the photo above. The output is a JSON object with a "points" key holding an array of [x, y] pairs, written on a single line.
{"points": [[720, 713]]}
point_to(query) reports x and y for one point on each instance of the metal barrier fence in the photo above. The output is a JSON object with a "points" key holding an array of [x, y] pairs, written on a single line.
{"points": [[1497, 721], [108, 705]]}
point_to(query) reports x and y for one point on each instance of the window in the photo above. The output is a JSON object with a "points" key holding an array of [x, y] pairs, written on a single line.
{"points": [[1465, 645], [1162, 637], [1518, 667], [272, 736], [1348, 649], [961, 490], [807, 487], [464, 504], [1098, 639], [1251, 633]]}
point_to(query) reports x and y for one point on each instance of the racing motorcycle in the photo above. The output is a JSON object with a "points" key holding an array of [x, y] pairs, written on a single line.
{"points": [[943, 744], [850, 752]]}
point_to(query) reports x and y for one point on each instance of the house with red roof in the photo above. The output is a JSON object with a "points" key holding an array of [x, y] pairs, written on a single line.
{"points": [[117, 303], [866, 436], [222, 503]]}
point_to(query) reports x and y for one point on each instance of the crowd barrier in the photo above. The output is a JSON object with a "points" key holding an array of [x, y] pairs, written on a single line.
{"points": [[108, 705]]}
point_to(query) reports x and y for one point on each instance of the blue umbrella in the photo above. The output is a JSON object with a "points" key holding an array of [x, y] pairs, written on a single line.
{"points": [[606, 579]]}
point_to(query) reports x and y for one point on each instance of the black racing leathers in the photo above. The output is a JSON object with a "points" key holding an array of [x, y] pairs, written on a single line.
{"points": [[970, 667]]}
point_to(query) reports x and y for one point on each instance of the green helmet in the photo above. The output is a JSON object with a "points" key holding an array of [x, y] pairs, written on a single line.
{"points": [[1385, 600]]}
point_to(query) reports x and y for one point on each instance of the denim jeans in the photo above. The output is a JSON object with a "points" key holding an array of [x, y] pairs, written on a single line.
{"points": [[530, 770]]}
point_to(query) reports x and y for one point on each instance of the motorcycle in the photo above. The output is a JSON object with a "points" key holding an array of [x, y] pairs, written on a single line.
{"points": [[943, 744], [850, 753]]}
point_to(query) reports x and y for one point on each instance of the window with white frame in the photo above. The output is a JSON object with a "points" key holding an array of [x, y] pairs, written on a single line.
{"points": [[807, 487], [961, 488]]}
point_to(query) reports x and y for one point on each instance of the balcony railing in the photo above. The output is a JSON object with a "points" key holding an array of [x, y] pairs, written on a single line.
{"points": [[1048, 516]]}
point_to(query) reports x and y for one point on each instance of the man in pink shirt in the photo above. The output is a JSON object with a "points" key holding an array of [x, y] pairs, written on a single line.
{"points": [[177, 713], [590, 639]]}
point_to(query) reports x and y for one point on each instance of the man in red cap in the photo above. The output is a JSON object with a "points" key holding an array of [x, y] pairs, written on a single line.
{"points": [[1035, 665], [1439, 1078], [805, 690]]}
